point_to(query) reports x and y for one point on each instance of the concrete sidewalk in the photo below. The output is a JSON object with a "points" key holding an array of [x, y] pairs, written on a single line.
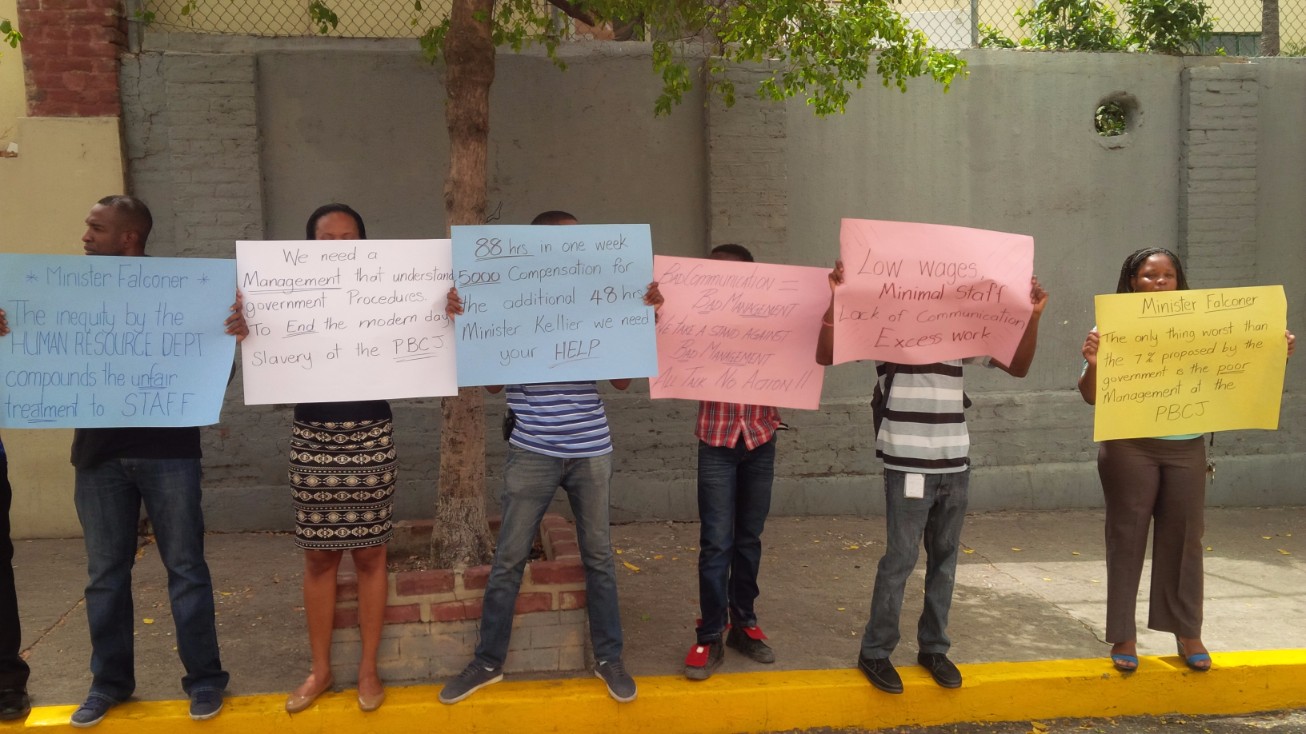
{"points": [[1030, 589]]}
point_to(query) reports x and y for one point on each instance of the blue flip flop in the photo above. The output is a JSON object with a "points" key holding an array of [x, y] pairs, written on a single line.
{"points": [[1124, 663]]}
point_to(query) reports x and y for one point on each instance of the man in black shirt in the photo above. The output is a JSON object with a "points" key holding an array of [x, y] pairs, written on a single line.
{"points": [[118, 470]]}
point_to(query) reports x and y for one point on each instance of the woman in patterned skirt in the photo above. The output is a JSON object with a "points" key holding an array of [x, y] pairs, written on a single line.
{"points": [[342, 476]]}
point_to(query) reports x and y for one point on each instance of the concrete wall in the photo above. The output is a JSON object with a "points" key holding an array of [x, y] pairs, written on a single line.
{"points": [[1012, 148]]}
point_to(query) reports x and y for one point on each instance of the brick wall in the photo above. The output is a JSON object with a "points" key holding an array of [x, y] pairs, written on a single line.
{"points": [[70, 51], [193, 152], [748, 175], [432, 618], [1217, 208]]}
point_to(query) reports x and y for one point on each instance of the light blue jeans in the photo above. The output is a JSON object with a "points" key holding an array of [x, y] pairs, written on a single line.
{"points": [[108, 497], [530, 480], [935, 519]]}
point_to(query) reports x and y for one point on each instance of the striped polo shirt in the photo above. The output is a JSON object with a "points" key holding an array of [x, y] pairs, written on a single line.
{"points": [[924, 428], [562, 419]]}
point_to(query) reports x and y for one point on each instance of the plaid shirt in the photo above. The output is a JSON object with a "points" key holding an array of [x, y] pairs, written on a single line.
{"points": [[719, 424]]}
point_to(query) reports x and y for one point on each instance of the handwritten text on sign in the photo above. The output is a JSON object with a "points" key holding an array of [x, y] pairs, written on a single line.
{"points": [[1189, 361], [739, 332], [346, 320], [105, 342], [553, 303], [922, 293]]}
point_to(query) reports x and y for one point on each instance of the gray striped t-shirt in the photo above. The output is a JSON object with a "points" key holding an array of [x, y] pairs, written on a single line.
{"points": [[924, 427]]}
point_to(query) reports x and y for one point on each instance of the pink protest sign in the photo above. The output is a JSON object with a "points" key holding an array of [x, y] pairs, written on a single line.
{"points": [[922, 293], [739, 332]]}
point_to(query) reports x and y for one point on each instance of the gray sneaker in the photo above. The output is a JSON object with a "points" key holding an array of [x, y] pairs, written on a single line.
{"points": [[620, 685], [205, 703], [473, 678]]}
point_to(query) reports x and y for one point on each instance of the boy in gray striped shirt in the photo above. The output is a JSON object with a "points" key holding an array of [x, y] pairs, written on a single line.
{"points": [[921, 435]]}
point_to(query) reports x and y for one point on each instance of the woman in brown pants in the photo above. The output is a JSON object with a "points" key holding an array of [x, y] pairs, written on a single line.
{"points": [[1152, 481]]}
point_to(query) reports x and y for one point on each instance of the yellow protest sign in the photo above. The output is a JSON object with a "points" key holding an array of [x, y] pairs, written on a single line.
{"points": [[1189, 361]]}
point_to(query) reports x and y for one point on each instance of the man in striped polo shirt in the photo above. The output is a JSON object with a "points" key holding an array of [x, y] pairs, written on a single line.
{"points": [[560, 438], [923, 440], [736, 468]]}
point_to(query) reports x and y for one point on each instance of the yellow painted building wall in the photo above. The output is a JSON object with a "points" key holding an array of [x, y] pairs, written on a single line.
{"points": [[63, 166]]}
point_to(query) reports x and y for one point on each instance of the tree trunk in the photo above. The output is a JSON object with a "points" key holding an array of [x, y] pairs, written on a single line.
{"points": [[1270, 27], [461, 536]]}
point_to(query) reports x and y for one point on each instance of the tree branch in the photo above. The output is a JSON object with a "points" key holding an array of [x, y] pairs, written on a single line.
{"points": [[574, 12]]}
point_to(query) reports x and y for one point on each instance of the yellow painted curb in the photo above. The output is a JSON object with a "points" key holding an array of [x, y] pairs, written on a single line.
{"points": [[1240, 682]]}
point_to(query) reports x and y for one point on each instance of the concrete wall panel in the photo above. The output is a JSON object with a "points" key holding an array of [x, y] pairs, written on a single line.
{"points": [[1012, 147]]}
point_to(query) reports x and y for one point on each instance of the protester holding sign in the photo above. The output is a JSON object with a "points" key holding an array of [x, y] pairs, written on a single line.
{"points": [[921, 435], [14, 702], [559, 437], [736, 467], [342, 477], [1158, 482], [118, 470]]}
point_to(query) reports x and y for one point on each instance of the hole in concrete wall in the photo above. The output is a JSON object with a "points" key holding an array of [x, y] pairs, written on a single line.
{"points": [[1110, 120], [1115, 116]]}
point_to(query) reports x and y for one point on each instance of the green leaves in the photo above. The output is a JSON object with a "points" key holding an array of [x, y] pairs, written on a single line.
{"points": [[815, 50], [1163, 26], [1071, 25], [323, 17], [812, 49], [9, 34], [1169, 26]]}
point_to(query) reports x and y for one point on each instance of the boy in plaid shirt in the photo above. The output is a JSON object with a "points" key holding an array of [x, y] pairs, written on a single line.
{"points": [[736, 462]]}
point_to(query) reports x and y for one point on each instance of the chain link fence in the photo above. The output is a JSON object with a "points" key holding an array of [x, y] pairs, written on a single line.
{"points": [[953, 24]]}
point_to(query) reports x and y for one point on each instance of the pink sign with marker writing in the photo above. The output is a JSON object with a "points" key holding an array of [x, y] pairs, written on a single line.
{"points": [[922, 293], [739, 332]]}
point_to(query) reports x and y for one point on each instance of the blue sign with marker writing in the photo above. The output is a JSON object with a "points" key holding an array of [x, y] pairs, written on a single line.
{"points": [[107, 342], [553, 303]]}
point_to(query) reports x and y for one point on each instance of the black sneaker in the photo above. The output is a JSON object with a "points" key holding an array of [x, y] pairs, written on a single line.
{"points": [[620, 685], [473, 678], [881, 673], [703, 660], [92, 710], [205, 703], [14, 704], [941, 669], [748, 640]]}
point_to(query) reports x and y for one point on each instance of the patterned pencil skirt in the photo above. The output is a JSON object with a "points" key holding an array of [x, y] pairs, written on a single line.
{"points": [[342, 479]]}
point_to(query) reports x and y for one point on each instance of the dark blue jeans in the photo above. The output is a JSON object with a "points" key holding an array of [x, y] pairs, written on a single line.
{"points": [[13, 670], [935, 519], [530, 480], [734, 497], [108, 498]]}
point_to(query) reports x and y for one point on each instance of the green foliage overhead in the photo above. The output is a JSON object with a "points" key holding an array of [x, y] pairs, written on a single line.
{"points": [[1169, 26], [1160, 26], [1075, 25], [810, 48]]}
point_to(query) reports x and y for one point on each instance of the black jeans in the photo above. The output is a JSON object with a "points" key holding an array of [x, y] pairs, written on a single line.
{"points": [[13, 671]]}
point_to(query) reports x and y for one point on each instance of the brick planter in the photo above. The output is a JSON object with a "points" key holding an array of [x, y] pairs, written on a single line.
{"points": [[432, 618]]}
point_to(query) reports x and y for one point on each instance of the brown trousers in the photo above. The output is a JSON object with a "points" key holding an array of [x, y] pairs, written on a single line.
{"points": [[1151, 481]]}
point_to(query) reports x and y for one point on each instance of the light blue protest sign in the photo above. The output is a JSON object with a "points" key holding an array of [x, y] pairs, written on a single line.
{"points": [[553, 303], [106, 342]]}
